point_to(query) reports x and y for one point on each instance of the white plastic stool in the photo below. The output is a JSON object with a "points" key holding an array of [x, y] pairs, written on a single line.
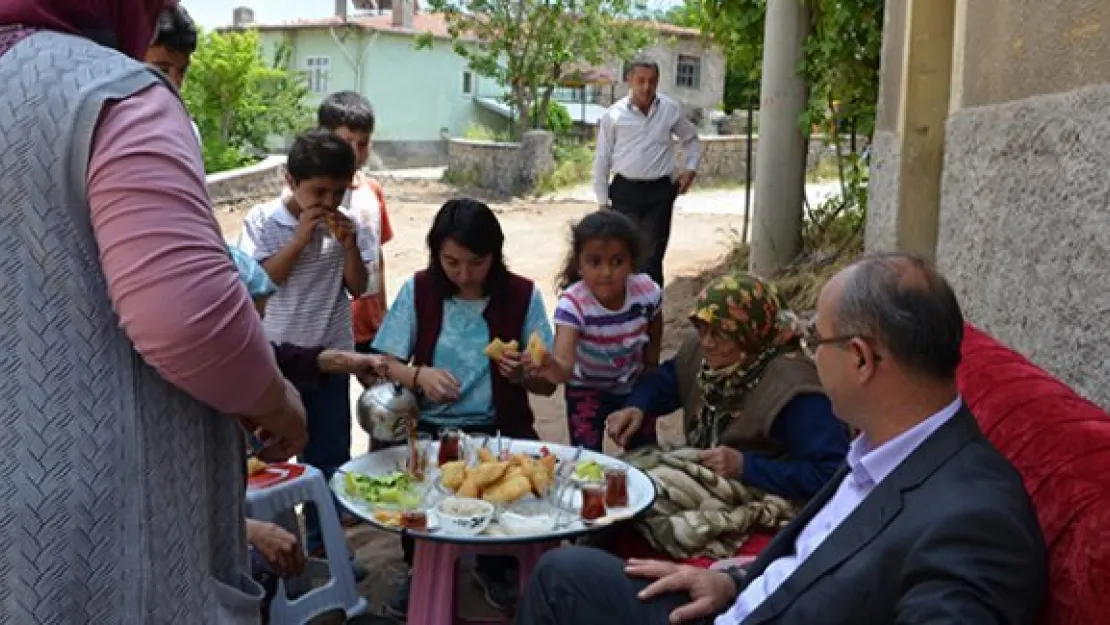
{"points": [[289, 485]]}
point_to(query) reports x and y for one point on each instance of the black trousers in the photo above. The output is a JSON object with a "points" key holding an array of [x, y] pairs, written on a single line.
{"points": [[585, 586], [650, 205]]}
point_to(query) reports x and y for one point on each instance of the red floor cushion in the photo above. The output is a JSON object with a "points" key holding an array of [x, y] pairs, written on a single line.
{"points": [[1060, 443]]}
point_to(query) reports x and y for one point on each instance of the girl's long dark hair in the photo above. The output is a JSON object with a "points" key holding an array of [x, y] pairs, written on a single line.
{"points": [[603, 224], [473, 225]]}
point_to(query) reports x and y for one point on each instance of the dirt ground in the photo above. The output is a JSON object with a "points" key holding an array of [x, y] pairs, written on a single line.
{"points": [[536, 235]]}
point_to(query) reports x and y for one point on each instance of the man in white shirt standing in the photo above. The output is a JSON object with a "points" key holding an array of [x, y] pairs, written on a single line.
{"points": [[926, 524], [635, 148]]}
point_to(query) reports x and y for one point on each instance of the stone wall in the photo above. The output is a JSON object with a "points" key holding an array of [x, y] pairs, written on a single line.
{"points": [[405, 154], [505, 168], [1025, 229], [247, 184], [724, 157]]}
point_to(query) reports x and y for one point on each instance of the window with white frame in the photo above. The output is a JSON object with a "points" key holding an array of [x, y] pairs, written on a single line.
{"points": [[468, 82], [316, 70], [688, 72]]}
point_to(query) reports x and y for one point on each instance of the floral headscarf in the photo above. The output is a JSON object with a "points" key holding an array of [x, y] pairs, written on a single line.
{"points": [[750, 312]]}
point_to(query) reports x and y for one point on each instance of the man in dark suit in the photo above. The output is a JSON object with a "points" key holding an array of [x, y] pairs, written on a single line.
{"points": [[926, 524]]}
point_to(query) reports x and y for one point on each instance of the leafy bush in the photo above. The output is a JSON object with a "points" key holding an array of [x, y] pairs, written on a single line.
{"points": [[573, 166], [239, 100]]}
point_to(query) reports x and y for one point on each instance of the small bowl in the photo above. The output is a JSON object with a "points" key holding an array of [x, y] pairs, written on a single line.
{"points": [[528, 517], [464, 516]]}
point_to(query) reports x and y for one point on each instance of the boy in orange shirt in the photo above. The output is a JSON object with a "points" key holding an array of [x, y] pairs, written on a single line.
{"points": [[350, 116]]}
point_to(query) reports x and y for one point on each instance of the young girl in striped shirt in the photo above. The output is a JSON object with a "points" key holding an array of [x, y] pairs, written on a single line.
{"points": [[608, 324]]}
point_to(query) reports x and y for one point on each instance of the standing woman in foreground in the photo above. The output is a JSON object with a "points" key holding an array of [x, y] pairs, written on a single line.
{"points": [[127, 338]]}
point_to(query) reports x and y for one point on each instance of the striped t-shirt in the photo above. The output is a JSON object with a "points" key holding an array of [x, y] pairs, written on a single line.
{"points": [[610, 342], [311, 308]]}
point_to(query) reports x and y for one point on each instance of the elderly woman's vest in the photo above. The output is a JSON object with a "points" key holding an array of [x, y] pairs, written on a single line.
{"points": [[505, 314], [754, 414]]}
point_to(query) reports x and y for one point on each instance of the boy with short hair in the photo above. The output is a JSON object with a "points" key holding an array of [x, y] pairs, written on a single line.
{"points": [[350, 116], [173, 48], [316, 255], [174, 44]]}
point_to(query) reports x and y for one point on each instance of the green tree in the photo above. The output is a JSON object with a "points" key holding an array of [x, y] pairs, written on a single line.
{"points": [[238, 99], [529, 45], [842, 53]]}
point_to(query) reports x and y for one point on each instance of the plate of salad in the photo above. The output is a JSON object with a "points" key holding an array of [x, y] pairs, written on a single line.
{"points": [[392, 490]]}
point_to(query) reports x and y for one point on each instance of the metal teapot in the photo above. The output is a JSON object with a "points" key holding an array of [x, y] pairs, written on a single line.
{"points": [[383, 409]]}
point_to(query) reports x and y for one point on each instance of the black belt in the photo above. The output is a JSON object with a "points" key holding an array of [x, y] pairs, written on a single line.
{"points": [[651, 181]]}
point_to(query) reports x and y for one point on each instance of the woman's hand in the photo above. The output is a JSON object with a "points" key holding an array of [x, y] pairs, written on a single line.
{"points": [[369, 366], [439, 385], [284, 434], [623, 424], [279, 548], [547, 369], [511, 366], [710, 591], [724, 461]]}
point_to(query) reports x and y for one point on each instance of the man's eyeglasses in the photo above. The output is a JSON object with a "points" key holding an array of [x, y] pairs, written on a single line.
{"points": [[812, 339]]}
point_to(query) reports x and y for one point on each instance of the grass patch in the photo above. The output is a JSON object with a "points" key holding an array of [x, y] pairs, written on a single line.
{"points": [[573, 166], [478, 132]]}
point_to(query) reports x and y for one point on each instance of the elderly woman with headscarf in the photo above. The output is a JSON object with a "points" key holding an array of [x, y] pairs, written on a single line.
{"points": [[127, 338], [760, 433]]}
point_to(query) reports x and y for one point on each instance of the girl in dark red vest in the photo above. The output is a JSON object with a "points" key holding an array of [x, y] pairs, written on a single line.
{"points": [[436, 332]]}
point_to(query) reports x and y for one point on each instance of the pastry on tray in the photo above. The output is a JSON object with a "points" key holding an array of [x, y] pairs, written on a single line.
{"points": [[499, 481]]}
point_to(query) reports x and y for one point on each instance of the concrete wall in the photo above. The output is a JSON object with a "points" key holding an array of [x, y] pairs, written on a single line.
{"points": [[1024, 217], [886, 161], [505, 168], [1020, 48], [247, 184], [724, 157], [1025, 229]]}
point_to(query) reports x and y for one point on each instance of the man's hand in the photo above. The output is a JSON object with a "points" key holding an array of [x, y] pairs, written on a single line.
{"points": [[685, 179], [306, 225], [623, 424], [284, 434], [279, 548], [724, 461], [710, 591]]}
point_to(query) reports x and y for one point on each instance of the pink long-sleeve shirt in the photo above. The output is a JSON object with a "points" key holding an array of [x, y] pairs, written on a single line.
{"points": [[170, 278]]}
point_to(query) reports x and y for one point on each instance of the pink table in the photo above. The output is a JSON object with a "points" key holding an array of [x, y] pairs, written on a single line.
{"points": [[432, 601]]}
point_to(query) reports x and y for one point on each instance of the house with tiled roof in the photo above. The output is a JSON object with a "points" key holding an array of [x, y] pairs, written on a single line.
{"points": [[420, 95]]}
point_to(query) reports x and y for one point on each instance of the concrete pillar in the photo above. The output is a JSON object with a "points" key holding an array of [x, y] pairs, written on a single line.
{"points": [[926, 97], [781, 152]]}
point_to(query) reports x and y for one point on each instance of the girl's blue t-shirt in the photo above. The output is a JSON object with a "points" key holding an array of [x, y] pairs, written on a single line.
{"points": [[460, 350]]}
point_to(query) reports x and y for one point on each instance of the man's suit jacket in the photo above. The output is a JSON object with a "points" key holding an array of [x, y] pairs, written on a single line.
{"points": [[949, 537]]}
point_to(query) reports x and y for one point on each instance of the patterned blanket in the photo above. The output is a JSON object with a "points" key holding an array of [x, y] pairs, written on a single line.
{"points": [[697, 513]]}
